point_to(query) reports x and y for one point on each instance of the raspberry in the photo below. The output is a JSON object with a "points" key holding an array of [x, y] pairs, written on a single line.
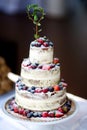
{"points": [[60, 109], [40, 41], [16, 109], [21, 110], [45, 90], [45, 114], [58, 114], [46, 44], [51, 114]]}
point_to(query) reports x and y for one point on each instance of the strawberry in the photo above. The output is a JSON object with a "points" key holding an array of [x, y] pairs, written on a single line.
{"points": [[55, 60], [58, 114], [56, 88], [38, 90], [60, 109], [46, 67], [16, 109]]}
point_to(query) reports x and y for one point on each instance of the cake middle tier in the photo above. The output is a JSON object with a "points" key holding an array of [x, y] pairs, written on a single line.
{"points": [[40, 77]]}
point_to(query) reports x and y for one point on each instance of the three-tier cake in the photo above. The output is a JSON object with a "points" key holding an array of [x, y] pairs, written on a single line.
{"points": [[40, 92]]}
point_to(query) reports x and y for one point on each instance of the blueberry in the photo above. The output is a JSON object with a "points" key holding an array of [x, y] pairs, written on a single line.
{"points": [[30, 114], [32, 91], [36, 64], [58, 64], [35, 114], [38, 44], [20, 87], [68, 103], [11, 107], [51, 89], [32, 44], [18, 80], [29, 89], [39, 114], [50, 44], [33, 87]]}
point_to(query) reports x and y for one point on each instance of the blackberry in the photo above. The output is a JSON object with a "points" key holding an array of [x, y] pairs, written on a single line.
{"points": [[51, 89]]}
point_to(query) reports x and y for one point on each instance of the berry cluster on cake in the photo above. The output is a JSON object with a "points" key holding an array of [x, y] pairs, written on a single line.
{"points": [[40, 92]]}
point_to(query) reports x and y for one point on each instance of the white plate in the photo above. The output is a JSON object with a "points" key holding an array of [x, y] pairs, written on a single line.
{"points": [[38, 125]]}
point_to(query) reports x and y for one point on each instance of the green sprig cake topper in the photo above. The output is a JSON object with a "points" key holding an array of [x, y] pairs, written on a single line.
{"points": [[36, 14]]}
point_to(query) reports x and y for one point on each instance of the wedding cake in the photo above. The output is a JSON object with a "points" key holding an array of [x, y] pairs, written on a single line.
{"points": [[40, 92]]}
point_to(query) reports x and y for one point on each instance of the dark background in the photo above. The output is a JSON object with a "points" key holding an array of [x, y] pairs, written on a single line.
{"points": [[69, 34]]}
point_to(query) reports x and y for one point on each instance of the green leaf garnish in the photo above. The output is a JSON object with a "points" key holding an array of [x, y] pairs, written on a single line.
{"points": [[35, 14]]}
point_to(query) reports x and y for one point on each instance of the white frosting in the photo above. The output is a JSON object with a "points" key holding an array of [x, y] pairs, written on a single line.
{"points": [[39, 102], [39, 77], [41, 54]]}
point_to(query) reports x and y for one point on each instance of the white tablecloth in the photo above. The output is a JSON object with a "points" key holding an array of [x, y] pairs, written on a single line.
{"points": [[78, 122]]}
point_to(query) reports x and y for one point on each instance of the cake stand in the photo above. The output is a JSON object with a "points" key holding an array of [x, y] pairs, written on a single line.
{"points": [[30, 125]]}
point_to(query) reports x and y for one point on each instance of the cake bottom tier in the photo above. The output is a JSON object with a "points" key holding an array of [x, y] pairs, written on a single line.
{"points": [[64, 111]]}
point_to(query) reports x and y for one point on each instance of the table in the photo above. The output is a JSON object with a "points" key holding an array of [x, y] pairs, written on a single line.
{"points": [[79, 122]]}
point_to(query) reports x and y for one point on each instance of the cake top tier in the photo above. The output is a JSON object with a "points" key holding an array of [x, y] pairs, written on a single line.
{"points": [[41, 51]]}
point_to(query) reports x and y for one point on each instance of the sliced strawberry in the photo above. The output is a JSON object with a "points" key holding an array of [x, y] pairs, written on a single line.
{"points": [[38, 90], [46, 67]]}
